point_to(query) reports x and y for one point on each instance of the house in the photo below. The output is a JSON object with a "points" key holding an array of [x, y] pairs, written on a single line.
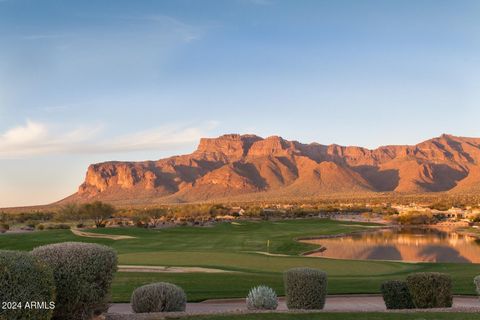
{"points": [[455, 213], [236, 211]]}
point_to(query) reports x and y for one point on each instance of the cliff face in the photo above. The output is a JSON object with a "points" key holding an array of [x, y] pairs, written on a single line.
{"points": [[247, 164]]}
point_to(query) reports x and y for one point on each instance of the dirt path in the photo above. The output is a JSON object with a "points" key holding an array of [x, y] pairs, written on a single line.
{"points": [[343, 303], [99, 235], [161, 269]]}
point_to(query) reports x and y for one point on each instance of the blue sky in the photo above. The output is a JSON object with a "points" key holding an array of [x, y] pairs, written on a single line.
{"points": [[90, 81]]}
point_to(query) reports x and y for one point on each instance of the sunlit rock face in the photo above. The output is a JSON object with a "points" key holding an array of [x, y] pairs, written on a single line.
{"points": [[412, 245], [234, 165]]}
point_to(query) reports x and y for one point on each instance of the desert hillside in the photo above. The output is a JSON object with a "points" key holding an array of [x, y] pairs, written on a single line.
{"points": [[234, 165]]}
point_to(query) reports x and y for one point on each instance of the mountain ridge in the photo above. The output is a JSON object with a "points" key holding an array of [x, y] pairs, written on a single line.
{"points": [[248, 165]]}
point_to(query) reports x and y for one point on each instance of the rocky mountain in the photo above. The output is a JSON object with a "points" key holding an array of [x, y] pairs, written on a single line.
{"points": [[233, 165]]}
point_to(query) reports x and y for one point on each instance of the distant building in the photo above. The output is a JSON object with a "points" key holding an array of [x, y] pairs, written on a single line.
{"points": [[455, 213], [236, 211]]}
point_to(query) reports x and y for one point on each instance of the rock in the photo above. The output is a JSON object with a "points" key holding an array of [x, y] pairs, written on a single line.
{"points": [[233, 164]]}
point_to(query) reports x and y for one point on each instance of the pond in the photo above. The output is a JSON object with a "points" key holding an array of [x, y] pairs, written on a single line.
{"points": [[401, 244]]}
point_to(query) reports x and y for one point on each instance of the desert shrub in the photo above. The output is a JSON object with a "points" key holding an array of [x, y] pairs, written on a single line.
{"points": [[23, 278], [476, 281], [396, 295], [430, 289], [415, 218], [37, 216], [53, 226], [83, 274], [4, 227], [158, 297], [263, 298], [40, 226], [305, 288], [31, 223]]}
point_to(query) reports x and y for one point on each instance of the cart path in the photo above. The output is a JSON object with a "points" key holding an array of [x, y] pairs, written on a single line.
{"points": [[334, 303]]}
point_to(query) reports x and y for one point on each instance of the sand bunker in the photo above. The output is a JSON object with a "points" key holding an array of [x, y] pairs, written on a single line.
{"points": [[269, 254], [99, 235], [162, 269]]}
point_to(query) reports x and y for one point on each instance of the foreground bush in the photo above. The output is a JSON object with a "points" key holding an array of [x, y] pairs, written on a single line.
{"points": [[158, 297], [83, 274], [305, 288], [476, 281], [24, 279], [396, 295], [262, 298], [430, 290]]}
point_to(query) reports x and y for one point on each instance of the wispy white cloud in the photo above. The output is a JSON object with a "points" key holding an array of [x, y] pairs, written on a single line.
{"points": [[36, 138], [163, 137], [31, 132]]}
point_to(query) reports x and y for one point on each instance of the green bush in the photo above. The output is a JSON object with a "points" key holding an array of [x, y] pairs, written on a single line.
{"points": [[24, 279], [158, 297], [430, 289], [83, 274], [305, 288], [396, 295]]}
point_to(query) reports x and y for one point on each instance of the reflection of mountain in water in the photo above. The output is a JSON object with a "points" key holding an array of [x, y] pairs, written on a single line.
{"points": [[426, 245]]}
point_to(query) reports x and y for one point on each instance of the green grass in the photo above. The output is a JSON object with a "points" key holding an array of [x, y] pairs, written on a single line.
{"points": [[230, 247], [248, 236], [343, 316], [201, 286]]}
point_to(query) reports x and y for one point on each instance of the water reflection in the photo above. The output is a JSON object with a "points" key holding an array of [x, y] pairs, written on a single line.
{"points": [[402, 244]]}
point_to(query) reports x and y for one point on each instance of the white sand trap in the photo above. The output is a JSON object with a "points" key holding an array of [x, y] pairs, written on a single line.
{"points": [[99, 235], [269, 254], [161, 269], [236, 224]]}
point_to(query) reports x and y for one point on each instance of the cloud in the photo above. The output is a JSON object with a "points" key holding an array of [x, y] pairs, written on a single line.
{"points": [[32, 132], [36, 138], [160, 138]]}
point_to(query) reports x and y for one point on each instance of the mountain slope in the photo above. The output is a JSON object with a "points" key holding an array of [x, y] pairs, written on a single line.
{"points": [[233, 165]]}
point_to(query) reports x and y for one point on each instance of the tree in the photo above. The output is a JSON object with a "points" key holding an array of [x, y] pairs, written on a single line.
{"points": [[155, 214], [70, 211], [98, 211], [219, 210]]}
